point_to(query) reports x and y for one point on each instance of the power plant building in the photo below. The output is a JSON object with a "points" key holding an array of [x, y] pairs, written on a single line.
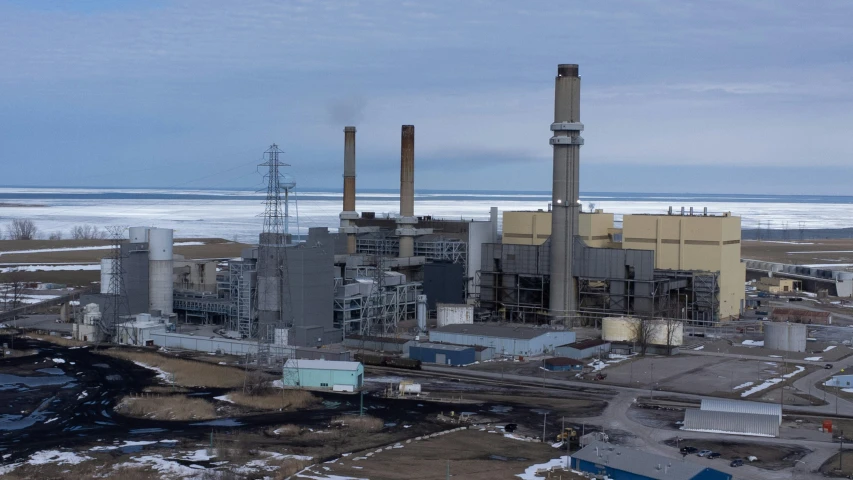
{"points": [[323, 374]]}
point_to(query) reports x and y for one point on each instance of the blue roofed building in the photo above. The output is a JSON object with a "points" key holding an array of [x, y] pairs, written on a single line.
{"points": [[622, 463]]}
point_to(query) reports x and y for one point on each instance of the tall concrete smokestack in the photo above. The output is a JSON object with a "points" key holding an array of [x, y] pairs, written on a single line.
{"points": [[348, 214], [407, 221], [565, 205]]}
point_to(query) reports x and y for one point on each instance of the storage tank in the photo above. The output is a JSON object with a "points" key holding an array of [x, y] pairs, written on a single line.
{"points": [[658, 334], [788, 337], [107, 276], [619, 329], [138, 234], [451, 314], [160, 287]]}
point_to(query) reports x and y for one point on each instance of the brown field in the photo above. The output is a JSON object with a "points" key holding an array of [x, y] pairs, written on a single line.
{"points": [[166, 407], [186, 373], [275, 400], [359, 424], [65, 342], [469, 454], [800, 253]]}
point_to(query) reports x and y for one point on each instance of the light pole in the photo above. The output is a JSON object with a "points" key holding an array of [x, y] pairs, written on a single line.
{"points": [[543, 426], [652, 381]]}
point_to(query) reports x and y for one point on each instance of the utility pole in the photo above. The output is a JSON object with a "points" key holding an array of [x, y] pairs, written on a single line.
{"points": [[448, 470], [652, 381], [543, 426]]}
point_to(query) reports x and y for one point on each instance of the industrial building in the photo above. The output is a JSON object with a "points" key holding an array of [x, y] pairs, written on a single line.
{"points": [[742, 406], [701, 253], [595, 347], [623, 463], [441, 354], [562, 364], [736, 417], [801, 315], [505, 340], [838, 283], [323, 374], [777, 285], [749, 424]]}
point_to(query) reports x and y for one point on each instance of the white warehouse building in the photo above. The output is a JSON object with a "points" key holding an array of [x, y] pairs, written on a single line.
{"points": [[505, 340]]}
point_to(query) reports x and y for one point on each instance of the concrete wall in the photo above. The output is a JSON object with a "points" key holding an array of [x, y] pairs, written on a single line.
{"points": [[693, 243]]}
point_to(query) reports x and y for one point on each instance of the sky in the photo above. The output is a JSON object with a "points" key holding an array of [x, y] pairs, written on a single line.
{"points": [[677, 96]]}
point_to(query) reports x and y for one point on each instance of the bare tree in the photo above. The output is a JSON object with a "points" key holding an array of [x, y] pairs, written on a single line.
{"points": [[672, 329], [57, 235], [644, 330], [22, 229], [13, 290], [88, 232]]}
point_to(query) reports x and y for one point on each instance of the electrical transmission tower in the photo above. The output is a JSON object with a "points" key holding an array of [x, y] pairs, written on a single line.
{"points": [[117, 302], [274, 240]]}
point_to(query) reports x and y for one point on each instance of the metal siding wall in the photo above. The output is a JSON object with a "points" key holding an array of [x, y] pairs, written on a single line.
{"points": [[737, 423]]}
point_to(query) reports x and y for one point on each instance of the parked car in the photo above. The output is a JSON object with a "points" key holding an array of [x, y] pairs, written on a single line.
{"points": [[704, 453], [827, 366], [713, 455], [736, 463], [688, 450]]}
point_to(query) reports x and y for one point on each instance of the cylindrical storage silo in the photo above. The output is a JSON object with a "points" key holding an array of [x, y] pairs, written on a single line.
{"points": [[776, 336], [138, 234], [107, 276], [659, 333], [797, 337], [619, 329], [160, 293], [422, 313]]}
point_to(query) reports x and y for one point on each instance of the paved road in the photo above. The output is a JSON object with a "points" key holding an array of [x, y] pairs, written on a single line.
{"points": [[45, 322]]}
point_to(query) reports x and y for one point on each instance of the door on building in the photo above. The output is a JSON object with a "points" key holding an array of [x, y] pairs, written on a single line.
{"points": [[440, 358]]}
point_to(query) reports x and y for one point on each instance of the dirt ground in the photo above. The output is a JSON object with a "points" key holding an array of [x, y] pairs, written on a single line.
{"points": [[470, 454], [770, 457], [808, 252]]}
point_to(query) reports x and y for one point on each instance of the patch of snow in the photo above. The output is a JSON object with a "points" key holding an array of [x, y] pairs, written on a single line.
{"points": [[58, 360], [848, 390], [700, 347], [829, 348], [813, 359], [518, 437], [48, 268], [743, 385], [224, 398], [753, 343], [161, 374], [725, 431], [57, 457], [160, 464], [532, 472], [770, 382], [775, 356], [199, 456], [82, 395], [127, 443], [798, 369]]}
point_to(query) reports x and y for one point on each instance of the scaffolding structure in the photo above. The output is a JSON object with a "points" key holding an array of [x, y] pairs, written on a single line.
{"points": [[242, 293], [117, 303]]}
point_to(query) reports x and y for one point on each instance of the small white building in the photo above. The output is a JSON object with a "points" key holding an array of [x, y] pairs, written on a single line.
{"points": [[87, 330], [139, 330]]}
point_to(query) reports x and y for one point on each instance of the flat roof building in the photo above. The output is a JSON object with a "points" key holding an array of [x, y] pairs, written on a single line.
{"points": [[506, 340], [442, 354], [323, 374], [622, 463]]}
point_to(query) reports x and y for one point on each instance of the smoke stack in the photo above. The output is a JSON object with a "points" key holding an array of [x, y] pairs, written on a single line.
{"points": [[349, 214], [406, 222], [349, 169], [566, 141]]}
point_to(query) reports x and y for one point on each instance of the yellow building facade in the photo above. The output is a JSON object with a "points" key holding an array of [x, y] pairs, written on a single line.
{"points": [[688, 242], [680, 242], [533, 228]]}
